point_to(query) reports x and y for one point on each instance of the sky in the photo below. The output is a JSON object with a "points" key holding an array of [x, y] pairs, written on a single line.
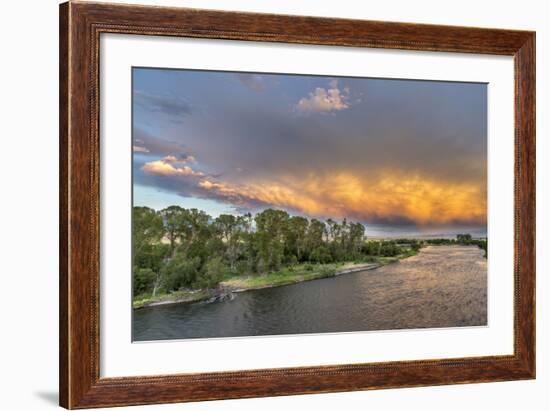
{"points": [[397, 155]]}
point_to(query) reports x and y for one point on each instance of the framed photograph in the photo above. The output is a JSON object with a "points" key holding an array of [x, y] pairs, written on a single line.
{"points": [[258, 205]]}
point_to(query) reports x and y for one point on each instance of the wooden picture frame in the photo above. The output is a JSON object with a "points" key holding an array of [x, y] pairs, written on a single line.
{"points": [[80, 27]]}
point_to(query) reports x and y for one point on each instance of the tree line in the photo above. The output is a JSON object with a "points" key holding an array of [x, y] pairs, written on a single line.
{"points": [[461, 239], [178, 247]]}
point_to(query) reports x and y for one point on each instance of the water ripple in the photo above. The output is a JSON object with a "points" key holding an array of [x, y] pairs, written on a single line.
{"points": [[444, 286]]}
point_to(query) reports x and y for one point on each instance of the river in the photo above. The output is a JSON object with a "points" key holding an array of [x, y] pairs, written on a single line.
{"points": [[442, 286]]}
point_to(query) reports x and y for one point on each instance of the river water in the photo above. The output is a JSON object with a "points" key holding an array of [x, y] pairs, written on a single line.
{"points": [[444, 286]]}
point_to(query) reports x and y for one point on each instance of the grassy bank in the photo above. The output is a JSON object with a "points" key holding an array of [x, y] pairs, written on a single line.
{"points": [[289, 275], [304, 272], [180, 296]]}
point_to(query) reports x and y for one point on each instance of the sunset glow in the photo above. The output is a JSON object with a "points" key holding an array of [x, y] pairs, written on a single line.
{"points": [[387, 152]]}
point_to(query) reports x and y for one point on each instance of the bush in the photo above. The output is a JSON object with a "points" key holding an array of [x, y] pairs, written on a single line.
{"points": [[464, 238], [371, 248], [389, 249], [321, 255], [144, 280], [415, 245], [327, 270], [180, 272], [292, 260], [151, 256], [483, 245], [243, 267], [214, 271]]}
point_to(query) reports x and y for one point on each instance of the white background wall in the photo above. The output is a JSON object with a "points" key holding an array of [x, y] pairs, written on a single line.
{"points": [[28, 192]]}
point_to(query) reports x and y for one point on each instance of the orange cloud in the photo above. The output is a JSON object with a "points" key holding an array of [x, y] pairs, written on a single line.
{"points": [[389, 196], [165, 167]]}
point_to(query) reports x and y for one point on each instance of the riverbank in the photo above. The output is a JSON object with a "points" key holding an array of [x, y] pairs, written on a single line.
{"points": [[442, 286], [289, 275]]}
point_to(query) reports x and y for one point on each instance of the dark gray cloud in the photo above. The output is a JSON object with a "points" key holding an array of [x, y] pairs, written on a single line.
{"points": [[267, 142], [157, 146], [176, 107], [398, 152]]}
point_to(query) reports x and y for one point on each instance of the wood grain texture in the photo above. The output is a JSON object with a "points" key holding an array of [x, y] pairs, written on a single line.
{"points": [[80, 27], [525, 202], [63, 205]]}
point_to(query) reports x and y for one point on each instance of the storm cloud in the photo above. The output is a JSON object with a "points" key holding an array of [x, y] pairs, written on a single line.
{"points": [[375, 150]]}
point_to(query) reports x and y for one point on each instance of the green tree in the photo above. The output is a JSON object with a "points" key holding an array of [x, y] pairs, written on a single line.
{"points": [[372, 248], [332, 231], [321, 255], [356, 237], [295, 238], [144, 280], [193, 233], [316, 232], [173, 218], [197, 224], [180, 247], [149, 252], [147, 228], [389, 249], [180, 271], [213, 273], [230, 229], [270, 226], [464, 238]]}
